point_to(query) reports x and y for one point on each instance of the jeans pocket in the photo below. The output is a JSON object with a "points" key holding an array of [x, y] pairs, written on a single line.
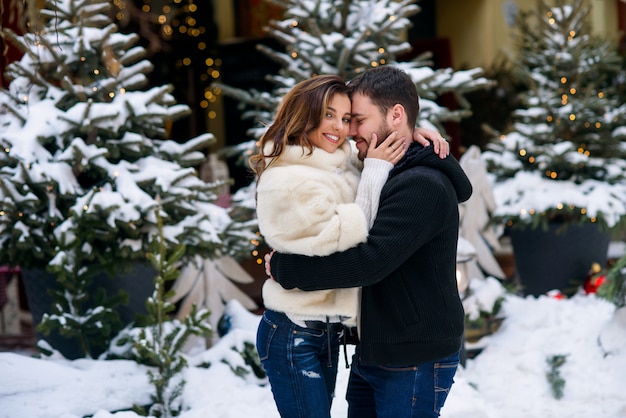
{"points": [[264, 336], [444, 378]]}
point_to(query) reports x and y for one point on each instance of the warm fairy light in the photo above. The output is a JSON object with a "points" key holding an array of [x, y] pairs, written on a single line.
{"points": [[572, 91], [549, 119], [531, 160], [374, 64], [572, 117], [212, 114], [392, 18], [294, 54], [111, 94], [522, 152], [381, 50], [598, 124], [553, 175], [559, 206], [600, 95], [563, 80]]}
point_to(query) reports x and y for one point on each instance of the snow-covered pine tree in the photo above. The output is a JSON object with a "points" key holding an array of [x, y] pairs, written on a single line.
{"points": [[565, 158], [346, 37], [86, 156]]}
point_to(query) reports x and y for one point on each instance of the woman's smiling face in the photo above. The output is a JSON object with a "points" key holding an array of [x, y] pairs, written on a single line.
{"points": [[335, 124]]}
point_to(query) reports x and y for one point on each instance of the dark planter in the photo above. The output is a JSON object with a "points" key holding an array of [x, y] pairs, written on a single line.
{"points": [[556, 258], [138, 284]]}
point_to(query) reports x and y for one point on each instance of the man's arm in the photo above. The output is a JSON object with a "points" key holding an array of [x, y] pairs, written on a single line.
{"points": [[411, 212]]}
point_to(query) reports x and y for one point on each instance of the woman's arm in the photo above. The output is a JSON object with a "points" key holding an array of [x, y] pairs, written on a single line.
{"points": [[376, 167], [426, 136]]}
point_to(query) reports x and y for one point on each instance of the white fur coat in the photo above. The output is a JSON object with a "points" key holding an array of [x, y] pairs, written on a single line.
{"points": [[305, 205]]}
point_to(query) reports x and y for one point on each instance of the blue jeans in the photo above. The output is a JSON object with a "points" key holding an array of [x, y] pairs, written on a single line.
{"points": [[400, 392], [301, 365]]}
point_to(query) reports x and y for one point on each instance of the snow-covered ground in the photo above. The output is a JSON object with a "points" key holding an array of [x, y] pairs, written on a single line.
{"points": [[508, 379]]}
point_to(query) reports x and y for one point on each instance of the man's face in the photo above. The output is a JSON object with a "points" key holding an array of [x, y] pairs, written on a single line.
{"points": [[366, 120]]}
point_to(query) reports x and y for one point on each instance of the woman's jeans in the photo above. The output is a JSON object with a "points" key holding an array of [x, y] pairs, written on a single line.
{"points": [[400, 392], [300, 363]]}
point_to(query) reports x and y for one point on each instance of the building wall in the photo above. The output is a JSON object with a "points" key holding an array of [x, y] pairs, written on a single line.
{"points": [[480, 34]]}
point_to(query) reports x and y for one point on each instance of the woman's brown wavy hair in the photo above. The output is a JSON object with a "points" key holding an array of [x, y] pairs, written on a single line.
{"points": [[300, 113]]}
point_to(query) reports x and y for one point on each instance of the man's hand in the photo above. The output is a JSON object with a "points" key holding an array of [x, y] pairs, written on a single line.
{"points": [[426, 136], [268, 268]]}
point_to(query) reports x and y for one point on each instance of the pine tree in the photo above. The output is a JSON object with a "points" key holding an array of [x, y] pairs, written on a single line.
{"points": [[565, 157], [346, 37], [86, 156]]}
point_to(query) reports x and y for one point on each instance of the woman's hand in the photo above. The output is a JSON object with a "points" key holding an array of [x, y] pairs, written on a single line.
{"points": [[268, 267], [392, 149], [427, 136]]}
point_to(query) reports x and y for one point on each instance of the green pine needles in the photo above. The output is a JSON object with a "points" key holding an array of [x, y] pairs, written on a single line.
{"points": [[160, 344], [557, 383], [614, 288]]}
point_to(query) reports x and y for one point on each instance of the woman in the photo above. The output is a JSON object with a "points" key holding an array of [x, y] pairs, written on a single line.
{"points": [[308, 182]]}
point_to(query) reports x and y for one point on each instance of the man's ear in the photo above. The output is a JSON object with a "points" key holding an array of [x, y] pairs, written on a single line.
{"points": [[398, 116]]}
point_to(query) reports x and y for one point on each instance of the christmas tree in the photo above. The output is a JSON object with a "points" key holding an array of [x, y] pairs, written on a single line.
{"points": [[86, 157], [564, 160], [346, 37]]}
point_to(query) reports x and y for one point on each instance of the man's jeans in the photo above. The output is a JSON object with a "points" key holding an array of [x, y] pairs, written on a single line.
{"points": [[400, 392], [301, 369]]}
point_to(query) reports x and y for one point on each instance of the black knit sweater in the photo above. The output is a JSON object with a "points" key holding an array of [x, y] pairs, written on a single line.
{"points": [[410, 307]]}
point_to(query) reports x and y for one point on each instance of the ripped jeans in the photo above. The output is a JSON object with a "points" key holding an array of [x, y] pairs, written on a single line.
{"points": [[296, 361]]}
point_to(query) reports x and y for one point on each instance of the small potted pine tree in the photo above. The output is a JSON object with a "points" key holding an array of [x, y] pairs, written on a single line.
{"points": [[558, 176], [85, 160]]}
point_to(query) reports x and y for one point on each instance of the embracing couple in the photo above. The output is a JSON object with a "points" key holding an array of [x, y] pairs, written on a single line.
{"points": [[364, 234]]}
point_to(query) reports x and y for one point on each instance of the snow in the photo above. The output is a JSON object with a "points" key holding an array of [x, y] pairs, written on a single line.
{"points": [[507, 379]]}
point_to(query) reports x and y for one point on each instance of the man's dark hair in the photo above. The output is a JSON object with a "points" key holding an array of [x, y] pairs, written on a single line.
{"points": [[387, 86]]}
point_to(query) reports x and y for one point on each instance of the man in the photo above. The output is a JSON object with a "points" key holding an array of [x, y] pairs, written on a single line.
{"points": [[411, 319]]}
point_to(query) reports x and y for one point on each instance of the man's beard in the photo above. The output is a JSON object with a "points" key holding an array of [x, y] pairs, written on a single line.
{"points": [[382, 133]]}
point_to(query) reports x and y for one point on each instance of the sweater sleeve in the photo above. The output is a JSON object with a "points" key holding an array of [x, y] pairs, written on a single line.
{"points": [[373, 178]]}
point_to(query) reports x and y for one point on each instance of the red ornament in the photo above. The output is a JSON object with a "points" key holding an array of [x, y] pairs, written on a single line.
{"points": [[556, 294], [593, 283]]}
